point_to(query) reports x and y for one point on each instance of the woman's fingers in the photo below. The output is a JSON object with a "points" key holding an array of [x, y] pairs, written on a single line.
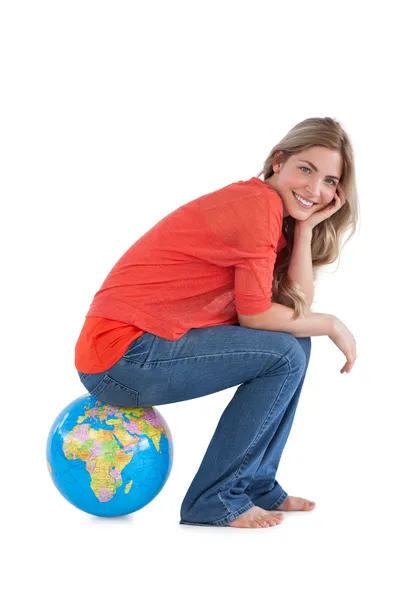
{"points": [[348, 366]]}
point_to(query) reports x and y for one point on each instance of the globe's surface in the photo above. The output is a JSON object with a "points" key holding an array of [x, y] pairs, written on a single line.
{"points": [[109, 461]]}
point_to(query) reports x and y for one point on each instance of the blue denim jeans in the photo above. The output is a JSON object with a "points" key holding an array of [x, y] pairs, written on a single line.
{"points": [[239, 467]]}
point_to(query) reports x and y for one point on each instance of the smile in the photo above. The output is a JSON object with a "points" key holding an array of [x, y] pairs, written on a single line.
{"points": [[303, 202]]}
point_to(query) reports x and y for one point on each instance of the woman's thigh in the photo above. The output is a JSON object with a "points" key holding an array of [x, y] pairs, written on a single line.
{"points": [[201, 362]]}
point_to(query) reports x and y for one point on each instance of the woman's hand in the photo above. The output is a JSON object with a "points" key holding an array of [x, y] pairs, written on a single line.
{"points": [[320, 215], [345, 341]]}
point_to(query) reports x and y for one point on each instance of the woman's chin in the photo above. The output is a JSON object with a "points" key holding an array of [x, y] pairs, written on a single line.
{"points": [[298, 215]]}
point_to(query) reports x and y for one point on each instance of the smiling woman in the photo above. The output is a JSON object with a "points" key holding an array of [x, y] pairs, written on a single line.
{"points": [[312, 170], [308, 185]]}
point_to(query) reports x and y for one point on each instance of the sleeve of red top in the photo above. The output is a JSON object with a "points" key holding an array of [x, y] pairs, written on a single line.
{"points": [[253, 285], [254, 276], [250, 228]]}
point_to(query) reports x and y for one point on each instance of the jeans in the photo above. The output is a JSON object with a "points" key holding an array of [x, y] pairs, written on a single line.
{"points": [[239, 467]]}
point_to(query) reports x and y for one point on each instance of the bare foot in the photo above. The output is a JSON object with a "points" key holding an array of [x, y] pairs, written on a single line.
{"points": [[256, 517], [295, 503]]}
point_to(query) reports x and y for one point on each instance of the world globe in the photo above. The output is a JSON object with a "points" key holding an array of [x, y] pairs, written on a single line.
{"points": [[107, 460]]}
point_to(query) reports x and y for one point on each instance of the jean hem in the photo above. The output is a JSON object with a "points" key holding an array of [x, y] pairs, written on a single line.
{"points": [[278, 502], [232, 516], [225, 520]]}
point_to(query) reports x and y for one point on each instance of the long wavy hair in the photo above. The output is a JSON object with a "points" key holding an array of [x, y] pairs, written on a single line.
{"points": [[326, 236]]}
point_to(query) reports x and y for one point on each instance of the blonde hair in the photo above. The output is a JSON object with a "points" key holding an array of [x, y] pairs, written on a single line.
{"points": [[326, 235]]}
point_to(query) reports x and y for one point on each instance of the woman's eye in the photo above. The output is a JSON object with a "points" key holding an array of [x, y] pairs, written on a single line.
{"points": [[333, 182]]}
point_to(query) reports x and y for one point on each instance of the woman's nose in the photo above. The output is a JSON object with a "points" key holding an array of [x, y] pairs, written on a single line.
{"points": [[314, 188]]}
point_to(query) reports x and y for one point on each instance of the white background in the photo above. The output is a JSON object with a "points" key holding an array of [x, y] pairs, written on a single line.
{"points": [[113, 114]]}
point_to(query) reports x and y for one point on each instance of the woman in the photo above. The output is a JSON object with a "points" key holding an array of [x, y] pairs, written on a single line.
{"points": [[219, 294]]}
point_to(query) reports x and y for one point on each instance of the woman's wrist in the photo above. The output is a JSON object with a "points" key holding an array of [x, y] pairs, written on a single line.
{"points": [[302, 229]]}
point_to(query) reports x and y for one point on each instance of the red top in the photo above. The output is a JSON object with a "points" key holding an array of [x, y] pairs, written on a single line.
{"points": [[197, 267]]}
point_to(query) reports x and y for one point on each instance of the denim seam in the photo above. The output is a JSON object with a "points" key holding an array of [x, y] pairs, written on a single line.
{"points": [[134, 361], [153, 362], [223, 502]]}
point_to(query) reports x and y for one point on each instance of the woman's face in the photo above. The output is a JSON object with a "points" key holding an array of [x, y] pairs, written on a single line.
{"points": [[316, 184]]}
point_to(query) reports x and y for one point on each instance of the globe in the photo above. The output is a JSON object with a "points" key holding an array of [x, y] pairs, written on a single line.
{"points": [[107, 460]]}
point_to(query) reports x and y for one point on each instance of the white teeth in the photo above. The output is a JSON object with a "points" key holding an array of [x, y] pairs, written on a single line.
{"points": [[303, 201]]}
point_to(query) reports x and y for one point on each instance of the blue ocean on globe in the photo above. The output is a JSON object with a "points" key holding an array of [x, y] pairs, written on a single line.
{"points": [[106, 460]]}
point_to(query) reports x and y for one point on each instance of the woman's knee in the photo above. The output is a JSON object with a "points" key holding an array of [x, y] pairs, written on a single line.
{"points": [[297, 350], [305, 343]]}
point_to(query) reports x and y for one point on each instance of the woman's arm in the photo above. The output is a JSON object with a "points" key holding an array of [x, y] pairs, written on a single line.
{"points": [[300, 267], [280, 318]]}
